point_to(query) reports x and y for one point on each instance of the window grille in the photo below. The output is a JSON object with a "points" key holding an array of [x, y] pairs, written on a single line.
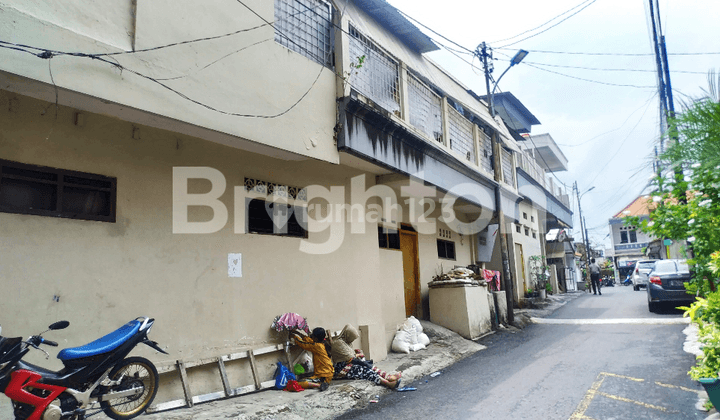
{"points": [[304, 26], [507, 168], [377, 79], [485, 152], [461, 140], [425, 108]]}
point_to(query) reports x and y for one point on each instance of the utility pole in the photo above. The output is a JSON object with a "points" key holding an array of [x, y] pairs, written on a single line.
{"points": [[497, 162], [583, 233]]}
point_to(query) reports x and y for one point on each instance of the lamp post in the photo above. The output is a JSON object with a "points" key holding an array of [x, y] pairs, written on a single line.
{"points": [[483, 54], [583, 230]]}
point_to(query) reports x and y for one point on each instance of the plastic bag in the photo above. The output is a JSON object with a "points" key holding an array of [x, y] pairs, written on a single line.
{"points": [[305, 359], [282, 376], [293, 386], [410, 337]]}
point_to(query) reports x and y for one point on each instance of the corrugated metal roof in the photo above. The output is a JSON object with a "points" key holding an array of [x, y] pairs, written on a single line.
{"points": [[389, 17]]}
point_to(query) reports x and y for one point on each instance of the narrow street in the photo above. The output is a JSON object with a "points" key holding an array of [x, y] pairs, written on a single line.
{"points": [[598, 357]]}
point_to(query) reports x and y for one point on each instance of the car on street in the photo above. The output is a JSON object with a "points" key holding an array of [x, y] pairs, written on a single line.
{"points": [[666, 284], [640, 273]]}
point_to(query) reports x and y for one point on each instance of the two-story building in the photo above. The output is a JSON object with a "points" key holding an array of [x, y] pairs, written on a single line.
{"points": [[214, 166]]}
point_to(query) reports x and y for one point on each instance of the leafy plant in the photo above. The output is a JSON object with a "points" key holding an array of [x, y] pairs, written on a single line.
{"points": [[539, 272]]}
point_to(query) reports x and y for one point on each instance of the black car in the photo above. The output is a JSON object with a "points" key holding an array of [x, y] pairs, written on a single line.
{"points": [[666, 284]]}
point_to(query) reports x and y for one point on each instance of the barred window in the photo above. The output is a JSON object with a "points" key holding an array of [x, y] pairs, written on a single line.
{"points": [[43, 191], [425, 109], [462, 140], [304, 26], [378, 77], [280, 219]]}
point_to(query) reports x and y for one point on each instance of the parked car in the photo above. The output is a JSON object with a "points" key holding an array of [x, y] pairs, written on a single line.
{"points": [[640, 273], [666, 284]]}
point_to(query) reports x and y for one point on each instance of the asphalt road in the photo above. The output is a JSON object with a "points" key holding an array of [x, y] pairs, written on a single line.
{"points": [[603, 357]]}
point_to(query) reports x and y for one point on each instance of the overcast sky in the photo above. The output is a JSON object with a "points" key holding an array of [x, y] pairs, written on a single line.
{"points": [[606, 132]]}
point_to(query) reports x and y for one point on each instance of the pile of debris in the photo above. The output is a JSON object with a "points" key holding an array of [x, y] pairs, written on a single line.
{"points": [[458, 276]]}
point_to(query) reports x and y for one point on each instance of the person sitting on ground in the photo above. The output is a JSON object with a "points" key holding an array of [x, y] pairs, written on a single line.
{"points": [[318, 345], [350, 363]]}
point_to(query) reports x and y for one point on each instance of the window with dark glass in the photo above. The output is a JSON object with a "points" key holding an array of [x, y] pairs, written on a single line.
{"points": [[388, 238], [446, 249], [633, 236], [280, 219], [44, 191], [623, 237]]}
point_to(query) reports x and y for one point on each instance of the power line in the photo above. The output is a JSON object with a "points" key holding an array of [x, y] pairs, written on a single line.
{"points": [[613, 130], [540, 26], [547, 29], [605, 69], [612, 53], [623, 142], [590, 80], [436, 33]]}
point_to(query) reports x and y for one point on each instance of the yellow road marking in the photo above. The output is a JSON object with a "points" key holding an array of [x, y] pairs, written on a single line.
{"points": [[622, 376], [640, 403], [579, 413], [678, 387], [585, 403]]}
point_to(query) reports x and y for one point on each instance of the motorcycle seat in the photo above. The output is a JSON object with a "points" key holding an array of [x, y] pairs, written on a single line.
{"points": [[102, 345]]}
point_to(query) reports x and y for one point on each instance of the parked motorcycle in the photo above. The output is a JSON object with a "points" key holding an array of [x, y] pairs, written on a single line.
{"points": [[98, 372], [608, 281], [627, 281]]}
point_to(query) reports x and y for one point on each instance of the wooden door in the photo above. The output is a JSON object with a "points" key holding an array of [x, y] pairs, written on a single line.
{"points": [[520, 267], [411, 272]]}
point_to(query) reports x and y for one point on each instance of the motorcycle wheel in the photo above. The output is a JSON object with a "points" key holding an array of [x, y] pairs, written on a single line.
{"points": [[136, 371]]}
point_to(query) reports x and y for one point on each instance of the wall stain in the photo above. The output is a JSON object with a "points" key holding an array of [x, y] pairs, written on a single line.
{"points": [[119, 228], [386, 135]]}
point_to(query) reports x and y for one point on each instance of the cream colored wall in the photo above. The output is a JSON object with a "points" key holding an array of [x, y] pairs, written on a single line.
{"points": [[531, 246], [108, 273], [247, 73]]}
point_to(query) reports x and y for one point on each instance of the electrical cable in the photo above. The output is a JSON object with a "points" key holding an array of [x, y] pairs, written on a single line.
{"points": [[540, 26], [612, 53], [436, 33], [616, 129], [621, 144], [602, 69], [547, 29], [593, 81]]}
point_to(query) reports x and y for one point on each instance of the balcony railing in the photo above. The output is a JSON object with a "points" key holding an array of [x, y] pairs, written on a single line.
{"points": [[378, 78], [381, 79], [528, 164], [425, 109]]}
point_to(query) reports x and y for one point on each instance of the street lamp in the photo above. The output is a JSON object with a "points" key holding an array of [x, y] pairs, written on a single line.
{"points": [[482, 52]]}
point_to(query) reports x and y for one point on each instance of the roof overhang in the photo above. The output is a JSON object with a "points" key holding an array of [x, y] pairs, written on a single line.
{"points": [[391, 18]]}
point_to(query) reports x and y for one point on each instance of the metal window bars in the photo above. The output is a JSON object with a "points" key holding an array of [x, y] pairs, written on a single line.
{"points": [[507, 167], [425, 108], [485, 152], [304, 26], [461, 135], [378, 78]]}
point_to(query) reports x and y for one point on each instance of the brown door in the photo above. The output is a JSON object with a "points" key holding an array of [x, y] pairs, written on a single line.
{"points": [[411, 272]]}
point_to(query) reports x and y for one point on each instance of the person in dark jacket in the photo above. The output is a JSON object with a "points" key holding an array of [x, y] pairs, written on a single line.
{"points": [[595, 277]]}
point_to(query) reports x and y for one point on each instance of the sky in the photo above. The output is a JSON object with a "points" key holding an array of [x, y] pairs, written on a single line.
{"points": [[607, 132]]}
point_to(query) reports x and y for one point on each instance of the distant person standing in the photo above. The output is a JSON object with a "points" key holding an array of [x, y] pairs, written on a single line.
{"points": [[595, 277]]}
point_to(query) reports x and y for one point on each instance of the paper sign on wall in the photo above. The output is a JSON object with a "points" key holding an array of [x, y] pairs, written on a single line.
{"points": [[234, 265]]}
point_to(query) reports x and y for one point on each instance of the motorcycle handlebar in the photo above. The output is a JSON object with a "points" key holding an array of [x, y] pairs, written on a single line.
{"points": [[49, 343]]}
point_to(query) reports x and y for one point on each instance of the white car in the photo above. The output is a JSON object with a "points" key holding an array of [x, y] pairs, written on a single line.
{"points": [[640, 273]]}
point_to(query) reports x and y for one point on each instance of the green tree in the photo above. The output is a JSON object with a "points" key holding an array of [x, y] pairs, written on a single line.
{"points": [[688, 200]]}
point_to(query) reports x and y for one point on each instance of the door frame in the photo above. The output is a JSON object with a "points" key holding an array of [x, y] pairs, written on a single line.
{"points": [[407, 231]]}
